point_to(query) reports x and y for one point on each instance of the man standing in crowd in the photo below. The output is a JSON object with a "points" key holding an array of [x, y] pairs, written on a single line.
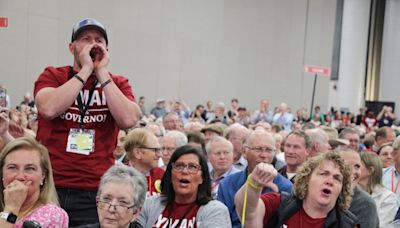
{"points": [[81, 109], [283, 117], [263, 114], [259, 147], [220, 155]]}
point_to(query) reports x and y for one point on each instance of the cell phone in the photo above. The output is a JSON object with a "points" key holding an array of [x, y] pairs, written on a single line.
{"points": [[3, 97]]}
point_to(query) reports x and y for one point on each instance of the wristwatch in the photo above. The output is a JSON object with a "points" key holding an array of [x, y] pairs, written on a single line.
{"points": [[9, 217]]}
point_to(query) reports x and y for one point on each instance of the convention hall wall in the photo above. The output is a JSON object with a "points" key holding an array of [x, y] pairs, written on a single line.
{"points": [[192, 49]]}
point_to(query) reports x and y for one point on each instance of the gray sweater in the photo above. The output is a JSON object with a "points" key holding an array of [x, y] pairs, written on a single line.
{"points": [[213, 214], [363, 206]]}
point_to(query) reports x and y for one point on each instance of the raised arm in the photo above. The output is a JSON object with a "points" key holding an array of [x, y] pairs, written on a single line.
{"points": [[262, 176], [51, 102]]}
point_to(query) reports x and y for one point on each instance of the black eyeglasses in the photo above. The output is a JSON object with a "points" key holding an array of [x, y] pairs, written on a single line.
{"points": [[191, 167], [156, 150], [120, 208]]}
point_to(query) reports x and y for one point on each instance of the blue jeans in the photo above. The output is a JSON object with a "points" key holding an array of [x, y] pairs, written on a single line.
{"points": [[79, 204]]}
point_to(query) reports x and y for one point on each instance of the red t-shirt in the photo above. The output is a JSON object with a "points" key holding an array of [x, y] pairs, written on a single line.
{"points": [[154, 181], [175, 212], [73, 170], [299, 220]]}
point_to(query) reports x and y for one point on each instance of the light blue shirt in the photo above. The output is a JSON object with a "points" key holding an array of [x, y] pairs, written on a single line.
{"points": [[393, 186], [215, 182], [241, 164]]}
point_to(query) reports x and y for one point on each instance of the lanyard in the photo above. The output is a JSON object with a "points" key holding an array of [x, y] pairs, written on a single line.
{"points": [[83, 107], [394, 190], [150, 184], [183, 216]]}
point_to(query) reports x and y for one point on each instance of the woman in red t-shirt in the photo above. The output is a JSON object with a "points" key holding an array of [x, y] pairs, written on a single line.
{"points": [[185, 199]]}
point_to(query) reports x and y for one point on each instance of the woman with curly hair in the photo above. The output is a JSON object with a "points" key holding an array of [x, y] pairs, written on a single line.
{"points": [[320, 196]]}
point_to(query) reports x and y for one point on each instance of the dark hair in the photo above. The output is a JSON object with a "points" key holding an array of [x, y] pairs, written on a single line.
{"points": [[204, 189], [197, 137]]}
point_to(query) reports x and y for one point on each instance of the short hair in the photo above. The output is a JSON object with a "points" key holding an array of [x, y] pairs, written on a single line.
{"points": [[135, 139], [317, 136], [277, 128], [382, 132], [48, 192], [234, 100], [348, 130], [159, 126], [253, 134], [197, 137], [383, 146], [129, 175], [372, 160], [369, 141], [169, 115], [199, 106], [396, 144], [300, 186], [204, 189], [237, 128], [180, 138], [216, 139], [301, 134]]}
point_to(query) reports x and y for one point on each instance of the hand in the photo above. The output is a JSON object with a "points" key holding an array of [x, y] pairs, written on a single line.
{"points": [[15, 194], [99, 54], [4, 121], [263, 174], [84, 57]]}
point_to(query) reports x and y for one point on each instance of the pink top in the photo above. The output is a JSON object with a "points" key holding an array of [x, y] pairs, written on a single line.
{"points": [[49, 215]]}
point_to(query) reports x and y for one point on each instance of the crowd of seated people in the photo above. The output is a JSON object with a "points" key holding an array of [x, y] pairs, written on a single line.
{"points": [[194, 164]]}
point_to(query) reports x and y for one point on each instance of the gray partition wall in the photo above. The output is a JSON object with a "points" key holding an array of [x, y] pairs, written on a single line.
{"points": [[194, 49]]}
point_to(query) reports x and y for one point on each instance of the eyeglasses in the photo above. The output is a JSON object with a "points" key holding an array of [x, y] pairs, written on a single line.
{"points": [[259, 150], [120, 208], [191, 167], [156, 150]]}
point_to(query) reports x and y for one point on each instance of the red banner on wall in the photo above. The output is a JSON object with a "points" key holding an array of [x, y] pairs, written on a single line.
{"points": [[317, 70], [4, 22]]}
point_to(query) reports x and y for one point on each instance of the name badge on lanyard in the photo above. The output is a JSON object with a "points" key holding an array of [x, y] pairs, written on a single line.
{"points": [[81, 141]]}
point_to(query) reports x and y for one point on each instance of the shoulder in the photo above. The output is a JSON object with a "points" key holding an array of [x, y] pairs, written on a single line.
{"points": [[235, 177], [214, 205], [96, 225], [48, 215], [51, 208], [119, 79], [153, 200], [387, 170], [282, 182], [348, 218], [55, 73], [157, 172]]}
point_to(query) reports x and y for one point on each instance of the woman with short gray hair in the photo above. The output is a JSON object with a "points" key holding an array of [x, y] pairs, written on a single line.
{"points": [[121, 195]]}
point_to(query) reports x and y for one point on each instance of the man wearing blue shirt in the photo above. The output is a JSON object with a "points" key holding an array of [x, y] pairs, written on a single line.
{"points": [[259, 147]]}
